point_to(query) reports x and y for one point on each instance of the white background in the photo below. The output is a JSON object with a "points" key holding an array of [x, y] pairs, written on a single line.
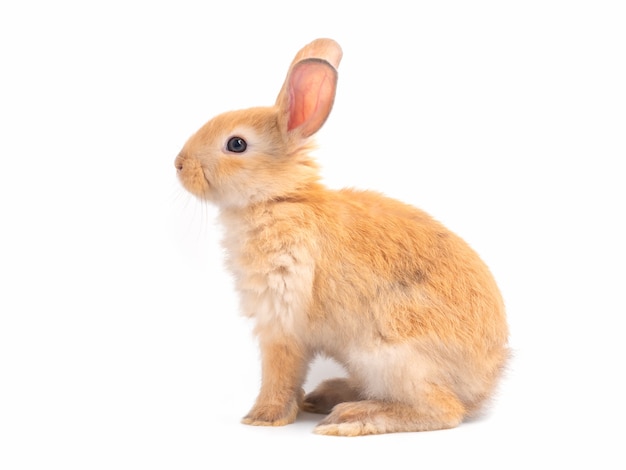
{"points": [[120, 342]]}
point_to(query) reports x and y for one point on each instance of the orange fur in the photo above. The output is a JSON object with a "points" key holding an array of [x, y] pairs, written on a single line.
{"points": [[404, 304]]}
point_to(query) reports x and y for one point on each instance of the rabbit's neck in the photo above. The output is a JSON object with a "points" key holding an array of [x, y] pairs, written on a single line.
{"points": [[270, 252]]}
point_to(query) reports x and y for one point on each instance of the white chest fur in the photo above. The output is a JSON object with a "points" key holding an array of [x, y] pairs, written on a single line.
{"points": [[270, 257]]}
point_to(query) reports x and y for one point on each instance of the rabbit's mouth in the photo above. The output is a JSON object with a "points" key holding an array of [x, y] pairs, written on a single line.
{"points": [[206, 178], [192, 176]]}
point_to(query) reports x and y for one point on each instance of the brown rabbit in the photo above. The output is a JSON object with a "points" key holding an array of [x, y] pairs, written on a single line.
{"points": [[406, 306]]}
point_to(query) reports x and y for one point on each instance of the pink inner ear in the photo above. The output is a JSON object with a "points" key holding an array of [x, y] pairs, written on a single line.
{"points": [[311, 94]]}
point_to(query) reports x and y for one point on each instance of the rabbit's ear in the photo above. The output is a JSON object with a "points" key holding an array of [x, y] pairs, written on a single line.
{"points": [[307, 96], [310, 95], [326, 49]]}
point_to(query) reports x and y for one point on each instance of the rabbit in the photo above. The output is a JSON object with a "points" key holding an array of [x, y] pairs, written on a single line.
{"points": [[409, 310]]}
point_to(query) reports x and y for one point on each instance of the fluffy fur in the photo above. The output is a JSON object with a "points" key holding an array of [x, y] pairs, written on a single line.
{"points": [[406, 306]]}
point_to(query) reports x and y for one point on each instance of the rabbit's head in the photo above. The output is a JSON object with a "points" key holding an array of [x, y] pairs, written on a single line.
{"points": [[258, 154]]}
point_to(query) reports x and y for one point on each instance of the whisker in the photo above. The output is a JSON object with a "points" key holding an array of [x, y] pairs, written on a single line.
{"points": [[176, 193], [196, 216]]}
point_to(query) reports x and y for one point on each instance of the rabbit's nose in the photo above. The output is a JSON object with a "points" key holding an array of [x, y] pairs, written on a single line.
{"points": [[178, 163]]}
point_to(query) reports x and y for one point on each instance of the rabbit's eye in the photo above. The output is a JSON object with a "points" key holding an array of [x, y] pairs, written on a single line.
{"points": [[237, 145]]}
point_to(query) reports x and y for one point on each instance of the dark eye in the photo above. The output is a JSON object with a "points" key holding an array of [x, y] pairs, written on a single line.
{"points": [[237, 145]]}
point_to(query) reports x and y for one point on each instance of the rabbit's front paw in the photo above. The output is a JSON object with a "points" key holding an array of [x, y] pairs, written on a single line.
{"points": [[272, 414]]}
